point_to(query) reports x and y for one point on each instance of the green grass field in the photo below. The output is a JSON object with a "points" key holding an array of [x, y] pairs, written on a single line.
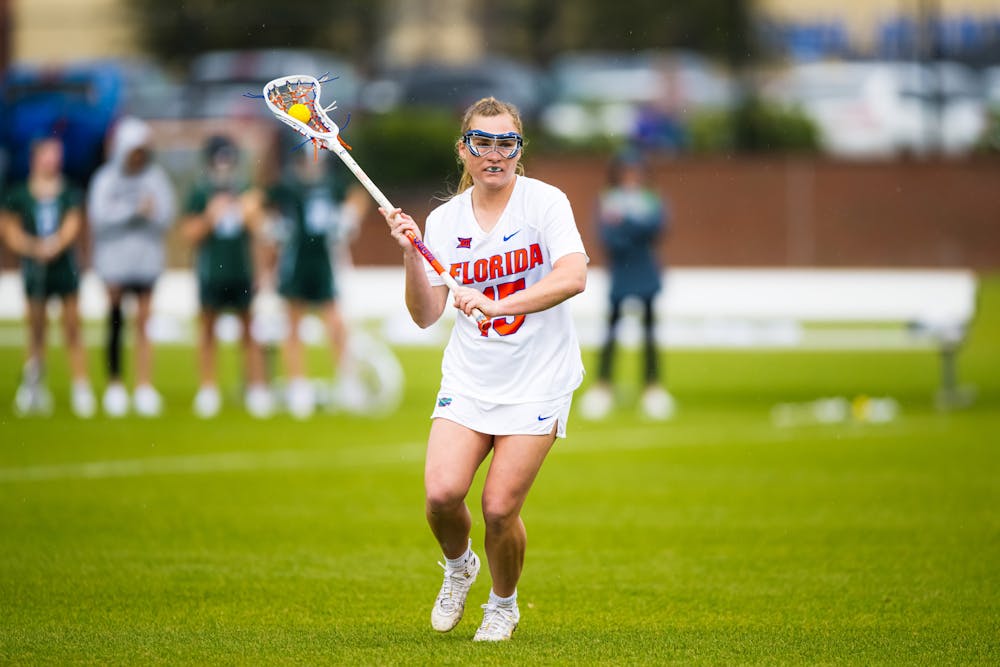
{"points": [[714, 539]]}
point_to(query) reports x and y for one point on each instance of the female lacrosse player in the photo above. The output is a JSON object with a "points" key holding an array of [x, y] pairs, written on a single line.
{"points": [[41, 221], [130, 206], [631, 218], [222, 218], [314, 208], [513, 245]]}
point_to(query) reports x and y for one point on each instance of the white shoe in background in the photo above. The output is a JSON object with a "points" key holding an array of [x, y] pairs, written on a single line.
{"points": [[301, 398], [148, 402], [207, 402], [597, 402], [259, 402], [657, 404], [82, 400], [115, 401]]}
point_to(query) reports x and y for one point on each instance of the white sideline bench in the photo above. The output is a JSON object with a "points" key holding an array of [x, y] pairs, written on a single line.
{"points": [[822, 309]]}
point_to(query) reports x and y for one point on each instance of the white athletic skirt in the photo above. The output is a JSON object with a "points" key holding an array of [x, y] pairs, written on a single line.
{"points": [[534, 418]]}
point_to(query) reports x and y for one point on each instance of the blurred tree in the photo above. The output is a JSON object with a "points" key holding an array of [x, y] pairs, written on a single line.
{"points": [[540, 29], [177, 32]]}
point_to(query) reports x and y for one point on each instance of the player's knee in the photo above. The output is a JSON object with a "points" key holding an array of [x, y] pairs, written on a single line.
{"points": [[499, 512], [443, 498]]}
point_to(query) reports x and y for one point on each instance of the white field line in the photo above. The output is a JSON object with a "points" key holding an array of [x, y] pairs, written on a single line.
{"points": [[634, 439]]}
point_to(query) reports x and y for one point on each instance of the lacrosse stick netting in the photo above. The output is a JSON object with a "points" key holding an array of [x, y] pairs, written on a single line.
{"points": [[283, 92]]}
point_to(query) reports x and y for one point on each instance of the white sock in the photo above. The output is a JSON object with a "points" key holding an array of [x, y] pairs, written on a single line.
{"points": [[460, 562], [503, 602]]}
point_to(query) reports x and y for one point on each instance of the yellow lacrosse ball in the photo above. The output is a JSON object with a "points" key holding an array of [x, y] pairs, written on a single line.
{"points": [[300, 112]]}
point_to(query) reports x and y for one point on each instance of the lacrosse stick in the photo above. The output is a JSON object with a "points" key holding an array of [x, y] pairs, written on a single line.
{"points": [[312, 122]]}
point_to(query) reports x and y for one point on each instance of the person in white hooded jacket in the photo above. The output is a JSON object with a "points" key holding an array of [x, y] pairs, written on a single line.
{"points": [[130, 206]]}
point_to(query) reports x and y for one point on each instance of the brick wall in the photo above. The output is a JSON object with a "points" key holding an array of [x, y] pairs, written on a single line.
{"points": [[789, 212]]}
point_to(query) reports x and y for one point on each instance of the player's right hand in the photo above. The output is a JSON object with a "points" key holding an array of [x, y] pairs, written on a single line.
{"points": [[399, 223]]}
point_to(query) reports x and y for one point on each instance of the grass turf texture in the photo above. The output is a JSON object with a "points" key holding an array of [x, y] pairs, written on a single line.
{"points": [[716, 538]]}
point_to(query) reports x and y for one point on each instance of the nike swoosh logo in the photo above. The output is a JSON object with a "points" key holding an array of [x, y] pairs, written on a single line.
{"points": [[508, 238], [541, 418]]}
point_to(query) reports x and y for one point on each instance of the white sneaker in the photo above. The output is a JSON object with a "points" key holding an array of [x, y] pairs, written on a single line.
{"points": [[450, 603], [499, 622], [207, 402], [658, 404], [148, 402], [597, 402], [82, 400], [115, 401], [24, 400], [259, 402], [301, 399], [32, 400]]}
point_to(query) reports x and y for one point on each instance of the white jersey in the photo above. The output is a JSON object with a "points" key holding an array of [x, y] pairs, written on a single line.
{"points": [[534, 357]]}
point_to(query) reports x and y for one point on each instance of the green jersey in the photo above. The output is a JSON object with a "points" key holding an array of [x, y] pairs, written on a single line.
{"points": [[41, 218], [310, 216], [224, 254]]}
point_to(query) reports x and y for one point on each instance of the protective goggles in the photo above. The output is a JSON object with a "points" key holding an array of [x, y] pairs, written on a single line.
{"points": [[481, 143]]}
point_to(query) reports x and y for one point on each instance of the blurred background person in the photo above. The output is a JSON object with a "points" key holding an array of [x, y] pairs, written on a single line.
{"points": [[222, 221], [313, 211], [130, 206], [41, 221], [631, 218]]}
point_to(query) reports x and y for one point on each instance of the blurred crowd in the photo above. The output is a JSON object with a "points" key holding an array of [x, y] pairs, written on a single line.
{"points": [[280, 237]]}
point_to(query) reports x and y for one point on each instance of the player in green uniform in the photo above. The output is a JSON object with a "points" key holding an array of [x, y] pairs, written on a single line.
{"points": [[223, 217], [40, 221], [313, 206]]}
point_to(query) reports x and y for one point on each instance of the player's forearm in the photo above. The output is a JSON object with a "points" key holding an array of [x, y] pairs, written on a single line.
{"points": [[69, 231], [19, 242], [423, 301], [195, 227], [567, 279]]}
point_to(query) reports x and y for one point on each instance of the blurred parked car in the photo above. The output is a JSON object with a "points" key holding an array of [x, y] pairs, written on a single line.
{"points": [[79, 102], [599, 94], [455, 87], [879, 109], [218, 80], [991, 87]]}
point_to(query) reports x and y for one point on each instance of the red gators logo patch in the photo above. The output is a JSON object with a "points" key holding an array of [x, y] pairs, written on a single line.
{"points": [[464, 242]]}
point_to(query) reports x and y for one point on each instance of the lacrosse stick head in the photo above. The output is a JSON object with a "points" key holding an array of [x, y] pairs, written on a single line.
{"points": [[283, 92]]}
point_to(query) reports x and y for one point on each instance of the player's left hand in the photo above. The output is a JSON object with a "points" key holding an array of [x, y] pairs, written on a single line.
{"points": [[467, 298], [47, 250]]}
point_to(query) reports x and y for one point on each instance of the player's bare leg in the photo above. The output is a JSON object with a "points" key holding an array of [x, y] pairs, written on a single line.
{"points": [[516, 462], [207, 348], [454, 453], [336, 331], [82, 396], [258, 397], [348, 391], [515, 465], [38, 322], [208, 401], [293, 349], [32, 396], [301, 397], [148, 402]]}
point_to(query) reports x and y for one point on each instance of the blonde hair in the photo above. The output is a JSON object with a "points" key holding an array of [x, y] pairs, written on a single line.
{"points": [[488, 106]]}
